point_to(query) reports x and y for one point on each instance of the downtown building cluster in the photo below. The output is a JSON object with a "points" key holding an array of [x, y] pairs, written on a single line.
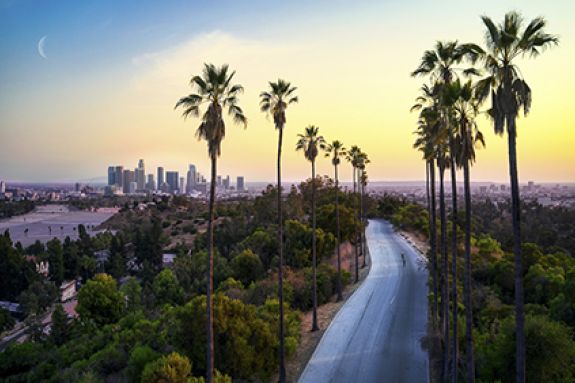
{"points": [[136, 181]]}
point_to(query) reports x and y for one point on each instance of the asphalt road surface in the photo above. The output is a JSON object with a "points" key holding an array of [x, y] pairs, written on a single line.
{"points": [[376, 335]]}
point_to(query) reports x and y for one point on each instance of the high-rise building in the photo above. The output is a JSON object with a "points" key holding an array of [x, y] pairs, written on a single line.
{"points": [[219, 181], [160, 177], [172, 179], [2, 187], [191, 179], [132, 187], [127, 178], [226, 182], [77, 187], [111, 175], [119, 176], [181, 188], [240, 183], [140, 175], [151, 184]]}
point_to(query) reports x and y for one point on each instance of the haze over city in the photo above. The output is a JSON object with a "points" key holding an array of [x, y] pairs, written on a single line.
{"points": [[85, 85]]}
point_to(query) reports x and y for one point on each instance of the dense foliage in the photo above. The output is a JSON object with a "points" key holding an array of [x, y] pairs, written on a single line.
{"points": [[142, 321]]}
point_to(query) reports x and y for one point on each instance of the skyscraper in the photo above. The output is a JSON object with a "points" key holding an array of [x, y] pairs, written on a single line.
{"points": [[2, 187], [191, 179], [140, 175], [227, 182], [181, 188], [119, 176], [111, 175], [172, 179], [219, 181], [151, 184], [160, 177], [240, 183], [127, 178]]}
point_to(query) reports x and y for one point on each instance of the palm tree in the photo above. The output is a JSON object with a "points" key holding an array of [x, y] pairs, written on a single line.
{"points": [[428, 124], [214, 89], [509, 94], [335, 150], [275, 102], [465, 109], [353, 158], [440, 65], [310, 143], [362, 183]]}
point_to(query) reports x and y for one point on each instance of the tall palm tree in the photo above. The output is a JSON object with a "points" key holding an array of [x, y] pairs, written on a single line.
{"points": [[362, 183], [275, 102], [310, 143], [428, 124], [505, 43], [336, 150], [353, 158], [213, 88], [465, 109], [440, 64]]}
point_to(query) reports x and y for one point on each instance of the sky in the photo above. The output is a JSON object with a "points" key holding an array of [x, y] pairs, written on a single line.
{"points": [[101, 90]]}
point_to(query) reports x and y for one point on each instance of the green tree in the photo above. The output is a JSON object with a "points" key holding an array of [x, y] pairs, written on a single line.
{"points": [[56, 259], [247, 267], [172, 368], [100, 301], [167, 289], [59, 332], [310, 143], [509, 94], [132, 292], [275, 102], [215, 89]]}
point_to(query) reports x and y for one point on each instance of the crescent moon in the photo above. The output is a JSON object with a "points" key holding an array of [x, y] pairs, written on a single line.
{"points": [[41, 44]]}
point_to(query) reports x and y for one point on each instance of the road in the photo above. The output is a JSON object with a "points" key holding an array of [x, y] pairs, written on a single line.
{"points": [[376, 335]]}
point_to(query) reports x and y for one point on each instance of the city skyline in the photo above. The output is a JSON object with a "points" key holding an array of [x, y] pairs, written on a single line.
{"points": [[140, 65]]}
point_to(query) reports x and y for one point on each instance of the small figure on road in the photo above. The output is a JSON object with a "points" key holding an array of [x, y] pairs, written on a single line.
{"points": [[403, 259]]}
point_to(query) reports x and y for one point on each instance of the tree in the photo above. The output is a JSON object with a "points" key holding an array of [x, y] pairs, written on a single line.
{"points": [[310, 143], [335, 150], [247, 267], [172, 368], [59, 332], [425, 142], [167, 289], [440, 65], [132, 292], [465, 109], [275, 102], [100, 301], [56, 259], [353, 158], [509, 94], [215, 89]]}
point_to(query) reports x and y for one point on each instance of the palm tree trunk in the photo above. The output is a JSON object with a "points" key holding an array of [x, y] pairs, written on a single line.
{"points": [[454, 354], [282, 372], [356, 264], [362, 220], [516, 218], [433, 241], [210, 290], [467, 279], [339, 286], [314, 326], [445, 272]]}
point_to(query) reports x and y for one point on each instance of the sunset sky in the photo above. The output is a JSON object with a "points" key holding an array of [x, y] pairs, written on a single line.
{"points": [[104, 94]]}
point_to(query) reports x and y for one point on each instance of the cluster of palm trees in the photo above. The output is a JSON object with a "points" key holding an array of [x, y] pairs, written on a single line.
{"points": [[214, 89], [447, 135]]}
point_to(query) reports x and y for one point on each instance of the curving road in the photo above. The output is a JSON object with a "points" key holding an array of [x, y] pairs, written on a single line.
{"points": [[375, 337]]}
